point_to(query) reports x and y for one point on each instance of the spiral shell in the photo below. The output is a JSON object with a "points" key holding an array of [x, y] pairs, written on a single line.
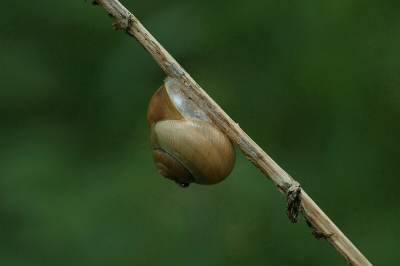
{"points": [[187, 148]]}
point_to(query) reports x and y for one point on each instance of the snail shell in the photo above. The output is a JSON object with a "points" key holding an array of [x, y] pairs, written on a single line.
{"points": [[186, 146]]}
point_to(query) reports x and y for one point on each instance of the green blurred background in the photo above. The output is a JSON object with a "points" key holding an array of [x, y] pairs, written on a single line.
{"points": [[314, 83]]}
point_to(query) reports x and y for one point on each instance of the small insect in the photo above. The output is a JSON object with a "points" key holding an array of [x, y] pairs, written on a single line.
{"points": [[93, 2]]}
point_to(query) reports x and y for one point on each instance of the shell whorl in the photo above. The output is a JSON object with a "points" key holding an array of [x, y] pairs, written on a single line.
{"points": [[186, 146]]}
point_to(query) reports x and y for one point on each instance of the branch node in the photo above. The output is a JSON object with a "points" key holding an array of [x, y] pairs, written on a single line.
{"points": [[293, 201], [318, 234]]}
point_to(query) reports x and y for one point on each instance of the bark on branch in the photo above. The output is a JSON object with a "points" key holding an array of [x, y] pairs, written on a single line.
{"points": [[297, 199]]}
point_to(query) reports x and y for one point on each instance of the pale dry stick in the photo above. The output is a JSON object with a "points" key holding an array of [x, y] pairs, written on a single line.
{"points": [[297, 199]]}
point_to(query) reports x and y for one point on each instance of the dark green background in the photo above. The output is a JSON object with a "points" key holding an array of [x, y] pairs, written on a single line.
{"points": [[314, 83]]}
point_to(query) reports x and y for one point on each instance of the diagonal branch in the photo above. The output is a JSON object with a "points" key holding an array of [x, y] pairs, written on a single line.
{"points": [[297, 199]]}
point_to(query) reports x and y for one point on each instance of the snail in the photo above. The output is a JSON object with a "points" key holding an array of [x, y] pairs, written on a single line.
{"points": [[187, 147]]}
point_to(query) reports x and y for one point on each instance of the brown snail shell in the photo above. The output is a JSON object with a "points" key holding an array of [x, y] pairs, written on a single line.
{"points": [[187, 148]]}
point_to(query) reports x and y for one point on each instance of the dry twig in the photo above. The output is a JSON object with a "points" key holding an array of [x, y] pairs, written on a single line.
{"points": [[297, 199]]}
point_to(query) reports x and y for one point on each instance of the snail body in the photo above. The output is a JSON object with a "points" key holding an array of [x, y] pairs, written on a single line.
{"points": [[187, 147]]}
